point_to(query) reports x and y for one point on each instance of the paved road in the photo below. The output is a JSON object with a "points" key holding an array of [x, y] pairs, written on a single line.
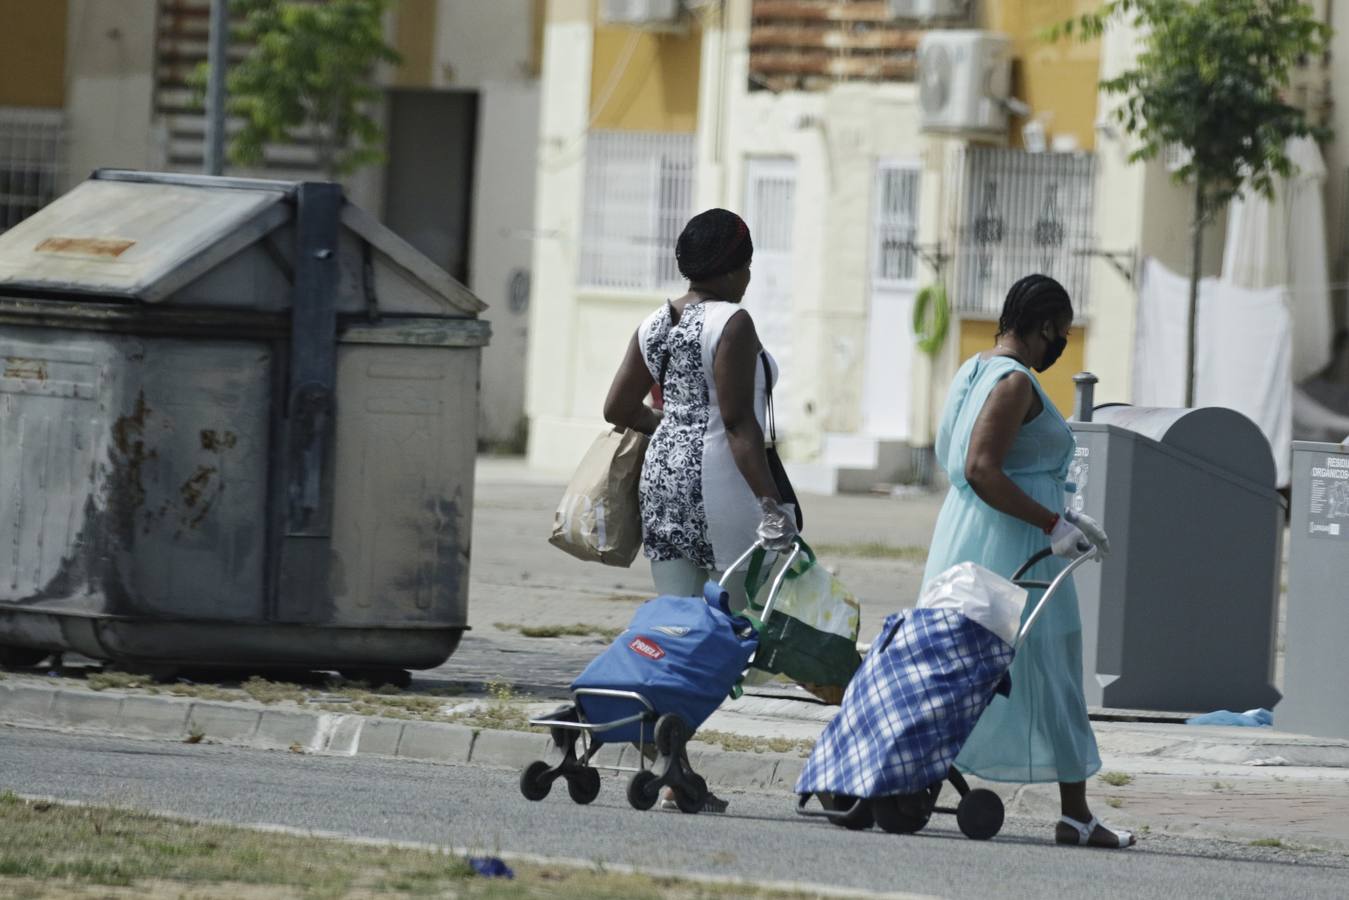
{"points": [[468, 806]]}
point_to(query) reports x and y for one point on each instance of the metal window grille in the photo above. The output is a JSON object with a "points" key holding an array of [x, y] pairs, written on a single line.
{"points": [[638, 196], [1021, 213], [32, 161], [896, 225]]}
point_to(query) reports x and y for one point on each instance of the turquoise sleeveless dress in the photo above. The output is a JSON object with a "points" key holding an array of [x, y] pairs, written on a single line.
{"points": [[1040, 733]]}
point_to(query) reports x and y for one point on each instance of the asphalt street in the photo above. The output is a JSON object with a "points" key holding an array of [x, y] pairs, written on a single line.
{"points": [[760, 838]]}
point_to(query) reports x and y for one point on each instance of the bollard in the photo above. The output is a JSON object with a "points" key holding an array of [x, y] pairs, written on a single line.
{"points": [[1085, 400]]}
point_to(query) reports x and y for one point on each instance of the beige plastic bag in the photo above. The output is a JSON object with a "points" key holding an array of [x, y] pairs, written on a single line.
{"points": [[599, 518]]}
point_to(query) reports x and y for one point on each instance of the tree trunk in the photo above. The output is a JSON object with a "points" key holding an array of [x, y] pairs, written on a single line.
{"points": [[1196, 258]]}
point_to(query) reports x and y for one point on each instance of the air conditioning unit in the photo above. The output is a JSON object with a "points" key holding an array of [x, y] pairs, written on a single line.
{"points": [[641, 13], [926, 10], [964, 81]]}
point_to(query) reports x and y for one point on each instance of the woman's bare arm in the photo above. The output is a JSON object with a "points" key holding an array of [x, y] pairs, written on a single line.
{"points": [[994, 431], [734, 370], [626, 404]]}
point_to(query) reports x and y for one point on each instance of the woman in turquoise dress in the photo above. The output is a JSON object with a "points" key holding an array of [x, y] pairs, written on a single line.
{"points": [[1006, 451]]}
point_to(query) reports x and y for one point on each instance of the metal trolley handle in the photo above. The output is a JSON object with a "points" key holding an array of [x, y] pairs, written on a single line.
{"points": [[777, 581], [1050, 587]]}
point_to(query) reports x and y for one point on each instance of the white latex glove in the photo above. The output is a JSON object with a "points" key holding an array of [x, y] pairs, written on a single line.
{"points": [[777, 524], [1091, 529], [1066, 539], [1075, 534]]}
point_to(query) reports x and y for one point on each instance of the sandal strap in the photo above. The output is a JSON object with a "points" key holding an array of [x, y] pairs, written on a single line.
{"points": [[1087, 829], [1084, 829]]}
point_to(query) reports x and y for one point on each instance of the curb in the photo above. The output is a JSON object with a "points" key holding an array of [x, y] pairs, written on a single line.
{"points": [[267, 727], [263, 727]]}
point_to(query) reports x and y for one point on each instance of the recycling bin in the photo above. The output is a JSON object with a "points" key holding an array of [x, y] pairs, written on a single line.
{"points": [[1316, 629], [1182, 615], [238, 422]]}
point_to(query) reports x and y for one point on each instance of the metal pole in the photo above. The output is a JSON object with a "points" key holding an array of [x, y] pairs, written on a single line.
{"points": [[215, 88]]}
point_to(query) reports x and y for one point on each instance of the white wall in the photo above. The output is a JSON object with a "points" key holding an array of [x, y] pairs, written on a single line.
{"points": [[109, 85], [503, 245], [836, 138], [481, 42], [559, 431]]}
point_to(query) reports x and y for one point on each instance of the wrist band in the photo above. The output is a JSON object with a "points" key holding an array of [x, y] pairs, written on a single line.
{"points": [[1054, 522]]}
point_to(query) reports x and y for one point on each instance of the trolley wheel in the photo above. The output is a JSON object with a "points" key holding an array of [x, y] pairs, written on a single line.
{"points": [[980, 814], [671, 734], [532, 783], [901, 813], [691, 801], [857, 812], [584, 785], [21, 657], [643, 790]]}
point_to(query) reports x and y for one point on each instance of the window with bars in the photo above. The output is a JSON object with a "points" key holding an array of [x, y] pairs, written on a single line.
{"points": [[895, 264], [32, 161], [1020, 213], [638, 196]]}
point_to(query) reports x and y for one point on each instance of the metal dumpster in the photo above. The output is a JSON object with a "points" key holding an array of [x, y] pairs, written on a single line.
{"points": [[238, 422], [1316, 664], [1182, 615]]}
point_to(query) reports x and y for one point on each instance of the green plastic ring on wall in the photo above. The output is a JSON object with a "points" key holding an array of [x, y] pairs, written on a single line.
{"points": [[931, 326]]}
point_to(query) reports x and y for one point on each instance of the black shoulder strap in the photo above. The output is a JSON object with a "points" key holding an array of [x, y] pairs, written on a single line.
{"points": [[768, 399], [665, 360]]}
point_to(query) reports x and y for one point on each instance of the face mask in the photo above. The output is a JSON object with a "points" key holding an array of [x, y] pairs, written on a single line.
{"points": [[1052, 352]]}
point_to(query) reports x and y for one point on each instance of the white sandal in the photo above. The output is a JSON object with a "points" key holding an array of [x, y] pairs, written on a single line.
{"points": [[1086, 830]]}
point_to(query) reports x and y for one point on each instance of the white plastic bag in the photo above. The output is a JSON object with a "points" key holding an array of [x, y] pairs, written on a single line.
{"points": [[980, 596]]}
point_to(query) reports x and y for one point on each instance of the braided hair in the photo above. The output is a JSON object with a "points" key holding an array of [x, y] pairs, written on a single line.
{"points": [[1031, 302], [713, 243]]}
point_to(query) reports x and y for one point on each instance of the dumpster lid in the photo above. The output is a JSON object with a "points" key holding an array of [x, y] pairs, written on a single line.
{"points": [[143, 236]]}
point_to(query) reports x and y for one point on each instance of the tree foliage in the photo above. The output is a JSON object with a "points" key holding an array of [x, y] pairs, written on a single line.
{"points": [[309, 75], [1212, 77]]}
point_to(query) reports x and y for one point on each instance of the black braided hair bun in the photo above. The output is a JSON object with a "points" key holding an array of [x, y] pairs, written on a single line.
{"points": [[1031, 302], [713, 243]]}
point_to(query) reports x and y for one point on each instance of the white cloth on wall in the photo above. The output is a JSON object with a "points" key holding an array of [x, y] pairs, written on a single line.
{"points": [[1160, 337], [1308, 266], [1243, 350], [1283, 243], [1245, 355]]}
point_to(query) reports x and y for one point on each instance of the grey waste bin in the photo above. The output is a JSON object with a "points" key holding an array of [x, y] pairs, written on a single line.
{"points": [[237, 427], [1181, 616], [1316, 633]]}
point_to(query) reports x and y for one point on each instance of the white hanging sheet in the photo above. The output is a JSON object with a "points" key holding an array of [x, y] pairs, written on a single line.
{"points": [[1243, 349]]}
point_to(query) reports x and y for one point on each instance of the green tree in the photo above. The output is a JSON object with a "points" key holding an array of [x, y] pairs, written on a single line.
{"points": [[309, 75], [1211, 77]]}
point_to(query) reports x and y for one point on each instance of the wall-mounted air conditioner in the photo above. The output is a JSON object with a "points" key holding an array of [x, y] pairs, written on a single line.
{"points": [[964, 81], [924, 10], [641, 13]]}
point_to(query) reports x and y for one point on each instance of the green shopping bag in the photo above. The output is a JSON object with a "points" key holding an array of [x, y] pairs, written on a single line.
{"points": [[810, 635]]}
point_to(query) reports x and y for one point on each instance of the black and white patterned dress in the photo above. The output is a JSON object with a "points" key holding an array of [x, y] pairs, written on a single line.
{"points": [[695, 503]]}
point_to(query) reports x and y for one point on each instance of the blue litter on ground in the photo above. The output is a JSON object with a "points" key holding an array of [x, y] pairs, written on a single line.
{"points": [[490, 867], [1251, 718]]}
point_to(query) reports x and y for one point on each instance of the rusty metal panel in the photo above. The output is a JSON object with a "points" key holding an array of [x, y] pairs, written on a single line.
{"points": [[54, 430], [202, 410], [133, 474], [406, 439]]}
